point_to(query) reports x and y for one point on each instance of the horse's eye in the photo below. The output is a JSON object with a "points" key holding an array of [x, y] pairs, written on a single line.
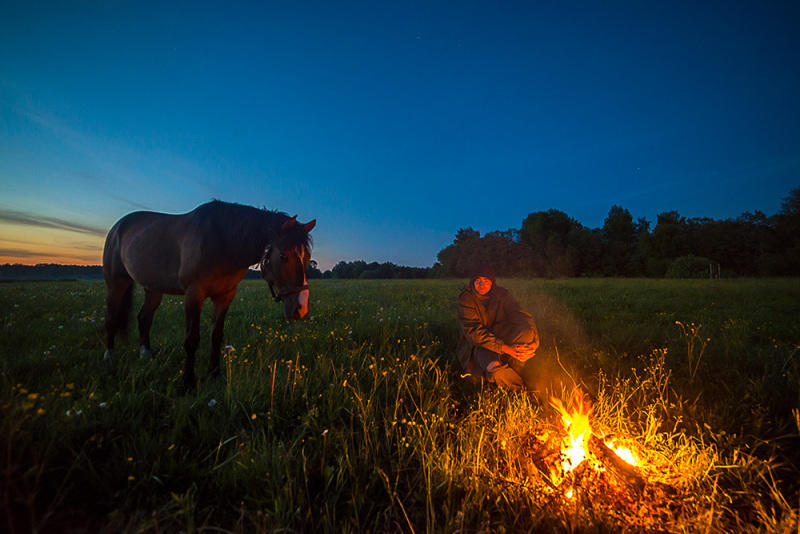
{"points": [[284, 258]]}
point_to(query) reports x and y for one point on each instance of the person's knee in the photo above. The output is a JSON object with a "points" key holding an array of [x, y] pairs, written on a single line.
{"points": [[525, 336], [507, 378]]}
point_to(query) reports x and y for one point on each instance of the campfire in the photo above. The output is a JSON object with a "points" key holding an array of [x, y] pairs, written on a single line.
{"points": [[582, 445], [570, 462]]}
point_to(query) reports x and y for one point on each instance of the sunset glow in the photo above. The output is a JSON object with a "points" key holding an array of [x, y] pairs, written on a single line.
{"points": [[30, 245]]}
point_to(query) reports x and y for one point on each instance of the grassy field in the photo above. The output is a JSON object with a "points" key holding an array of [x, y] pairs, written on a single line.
{"points": [[357, 419]]}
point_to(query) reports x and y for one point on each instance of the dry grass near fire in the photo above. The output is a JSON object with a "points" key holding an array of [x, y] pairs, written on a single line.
{"points": [[357, 419]]}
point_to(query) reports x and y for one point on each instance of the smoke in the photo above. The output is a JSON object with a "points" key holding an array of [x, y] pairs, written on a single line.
{"points": [[554, 371]]}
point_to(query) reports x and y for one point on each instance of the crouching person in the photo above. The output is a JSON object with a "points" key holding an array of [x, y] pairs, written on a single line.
{"points": [[497, 336]]}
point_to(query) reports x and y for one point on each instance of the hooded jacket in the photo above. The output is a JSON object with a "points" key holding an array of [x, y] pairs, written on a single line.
{"points": [[484, 319]]}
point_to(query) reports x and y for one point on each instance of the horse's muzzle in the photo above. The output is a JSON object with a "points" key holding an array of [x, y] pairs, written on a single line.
{"points": [[295, 306]]}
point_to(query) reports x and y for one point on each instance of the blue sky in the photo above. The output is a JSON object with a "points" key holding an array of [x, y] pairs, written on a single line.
{"points": [[393, 124]]}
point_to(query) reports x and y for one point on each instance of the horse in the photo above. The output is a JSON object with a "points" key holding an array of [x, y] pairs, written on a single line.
{"points": [[201, 254]]}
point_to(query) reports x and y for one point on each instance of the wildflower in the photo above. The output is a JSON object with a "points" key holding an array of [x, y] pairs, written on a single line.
{"points": [[131, 478], [103, 404], [212, 403], [40, 411], [33, 396], [171, 447], [253, 417]]}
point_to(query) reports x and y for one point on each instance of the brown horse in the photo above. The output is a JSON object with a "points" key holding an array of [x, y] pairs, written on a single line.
{"points": [[201, 254]]}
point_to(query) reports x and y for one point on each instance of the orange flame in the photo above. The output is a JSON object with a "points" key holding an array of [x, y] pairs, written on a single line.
{"points": [[623, 452], [576, 422]]}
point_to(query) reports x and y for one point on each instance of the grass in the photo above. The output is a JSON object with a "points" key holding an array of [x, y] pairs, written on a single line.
{"points": [[356, 419]]}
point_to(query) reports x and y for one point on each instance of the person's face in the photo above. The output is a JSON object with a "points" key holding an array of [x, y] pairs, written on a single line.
{"points": [[482, 285]]}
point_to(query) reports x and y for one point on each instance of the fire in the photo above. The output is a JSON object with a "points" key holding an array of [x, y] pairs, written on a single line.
{"points": [[576, 421], [623, 452], [578, 430]]}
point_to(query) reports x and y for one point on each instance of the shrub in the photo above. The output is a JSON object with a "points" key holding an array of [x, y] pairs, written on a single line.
{"points": [[690, 267]]}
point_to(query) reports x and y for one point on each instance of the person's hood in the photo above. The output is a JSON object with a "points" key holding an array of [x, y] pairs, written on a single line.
{"points": [[485, 271]]}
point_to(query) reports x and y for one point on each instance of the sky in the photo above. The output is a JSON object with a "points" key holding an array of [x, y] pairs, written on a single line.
{"points": [[393, 124]]}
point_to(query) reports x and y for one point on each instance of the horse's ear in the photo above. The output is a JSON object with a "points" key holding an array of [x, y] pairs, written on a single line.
{"points": [[289, 223], [309, 225]]}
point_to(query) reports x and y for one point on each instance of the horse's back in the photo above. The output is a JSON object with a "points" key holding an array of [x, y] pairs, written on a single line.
{"points": [[146, 246], [201, 251]]}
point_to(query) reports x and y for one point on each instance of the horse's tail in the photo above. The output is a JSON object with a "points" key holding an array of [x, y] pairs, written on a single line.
{"points": [[122, 315], [119, 288]]}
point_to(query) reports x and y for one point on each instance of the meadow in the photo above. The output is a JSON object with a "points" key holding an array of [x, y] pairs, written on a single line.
{"points": [[357, 419]]}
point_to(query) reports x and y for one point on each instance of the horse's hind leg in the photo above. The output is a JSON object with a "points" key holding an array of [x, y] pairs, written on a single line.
{"points": [[221, 305], [192, 305], [119, 297], [151, 301]]}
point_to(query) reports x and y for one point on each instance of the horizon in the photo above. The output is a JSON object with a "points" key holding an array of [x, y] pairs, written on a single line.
{"points": [[44, 263]]}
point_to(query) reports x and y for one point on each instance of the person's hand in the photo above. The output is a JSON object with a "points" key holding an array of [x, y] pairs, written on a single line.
{"points": [[521, 351], [525, 351]]}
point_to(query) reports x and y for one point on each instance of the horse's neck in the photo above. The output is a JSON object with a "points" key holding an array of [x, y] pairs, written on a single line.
{"points": [[255, 237]]}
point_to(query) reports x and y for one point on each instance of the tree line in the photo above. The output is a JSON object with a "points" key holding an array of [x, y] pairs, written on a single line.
{"points": [[372, 270], [553, 244]]}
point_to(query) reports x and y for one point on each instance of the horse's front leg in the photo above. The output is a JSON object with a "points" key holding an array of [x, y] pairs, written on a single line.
{"points": [[192, 305], [221, 305]]}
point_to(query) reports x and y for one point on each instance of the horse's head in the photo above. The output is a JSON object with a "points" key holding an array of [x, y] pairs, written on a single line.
{"points": [[284, 264]]}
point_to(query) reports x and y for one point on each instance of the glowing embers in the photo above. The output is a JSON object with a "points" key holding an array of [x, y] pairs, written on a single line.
{"points": [[565, 461]]}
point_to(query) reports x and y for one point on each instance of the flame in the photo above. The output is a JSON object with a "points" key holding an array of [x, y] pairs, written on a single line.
{"points": [[623, 452], [577, 424]]}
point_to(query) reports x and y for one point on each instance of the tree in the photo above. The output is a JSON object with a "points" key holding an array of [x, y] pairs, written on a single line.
{"points": [[312, 271], [669, 240], [787, 229], [460, 258], [619, 243], [555, 240]]}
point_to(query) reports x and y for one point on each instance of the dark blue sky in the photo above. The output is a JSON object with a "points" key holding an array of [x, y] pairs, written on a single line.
{"points": [[393, 124]]}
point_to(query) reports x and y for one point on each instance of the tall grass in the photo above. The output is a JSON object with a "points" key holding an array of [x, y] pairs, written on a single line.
{"points": [[356, 419]]}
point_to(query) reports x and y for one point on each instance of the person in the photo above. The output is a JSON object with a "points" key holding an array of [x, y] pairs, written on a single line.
{"points": [[497, 336]]}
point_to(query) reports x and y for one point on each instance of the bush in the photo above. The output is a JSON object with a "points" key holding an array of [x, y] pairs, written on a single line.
{"points": [[690, 267]]}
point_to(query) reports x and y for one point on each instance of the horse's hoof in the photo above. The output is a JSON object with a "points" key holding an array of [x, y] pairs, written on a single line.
{"points": [[144, 353], [108, 355], [189, 383], [213, 373]]}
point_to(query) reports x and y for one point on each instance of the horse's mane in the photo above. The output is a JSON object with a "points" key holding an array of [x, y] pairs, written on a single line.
{"points": [[254, 227]]}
